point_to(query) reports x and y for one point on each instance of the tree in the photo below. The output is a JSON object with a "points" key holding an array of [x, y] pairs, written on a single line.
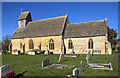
{"points": [[5, 42], [112, 34]]}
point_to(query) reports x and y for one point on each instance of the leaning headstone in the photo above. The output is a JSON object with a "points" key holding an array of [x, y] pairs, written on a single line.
{"points": [[61, 57], [80, 70], [88, 57], [75, 73], [45, 62], [4, 70], [72, 50]]}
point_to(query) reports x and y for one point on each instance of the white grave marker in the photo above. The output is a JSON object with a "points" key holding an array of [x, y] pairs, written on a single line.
{"points": [[75, 72], [4, 70]]}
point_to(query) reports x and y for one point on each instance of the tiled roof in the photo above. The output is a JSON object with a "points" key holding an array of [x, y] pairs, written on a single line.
{"points": [[45, 27], [92, 28], [23, 15]]}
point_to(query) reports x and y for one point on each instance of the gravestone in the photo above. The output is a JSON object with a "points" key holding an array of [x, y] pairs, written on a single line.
{"points": [[88, 57], [45, 62], [81, 62], [72, 50], [80, 70], [4, 70], [31, 53], [46, 52], [16, 52], [61, 57], [75, 73]]}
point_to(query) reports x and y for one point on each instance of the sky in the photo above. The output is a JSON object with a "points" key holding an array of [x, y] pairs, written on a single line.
{"points": [[77, 12]]}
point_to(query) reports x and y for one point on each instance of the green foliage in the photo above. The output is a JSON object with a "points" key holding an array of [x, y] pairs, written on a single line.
{"points": [[112, 34], [23, 53], [32, 64]]}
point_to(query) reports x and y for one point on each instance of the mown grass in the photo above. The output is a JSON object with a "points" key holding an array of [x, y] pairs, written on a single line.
{"points": [[32, 64]]}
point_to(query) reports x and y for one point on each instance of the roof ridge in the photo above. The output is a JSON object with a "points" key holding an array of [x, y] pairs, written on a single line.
{"points": [[25, 12], [87, 22], [48, 18]]}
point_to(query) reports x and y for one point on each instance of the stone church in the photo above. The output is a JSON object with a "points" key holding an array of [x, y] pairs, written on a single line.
{"points": [[58, 35]]}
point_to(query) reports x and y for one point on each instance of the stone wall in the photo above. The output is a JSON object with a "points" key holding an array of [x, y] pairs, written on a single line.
{"points": [[22, 23], [108, 48], [81, 44], [37, 40]]}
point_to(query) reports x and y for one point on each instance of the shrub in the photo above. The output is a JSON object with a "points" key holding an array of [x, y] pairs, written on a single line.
{"points": [[23, 54]]}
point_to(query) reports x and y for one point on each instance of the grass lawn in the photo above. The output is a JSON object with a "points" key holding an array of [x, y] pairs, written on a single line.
{"points": [[32, 64]]}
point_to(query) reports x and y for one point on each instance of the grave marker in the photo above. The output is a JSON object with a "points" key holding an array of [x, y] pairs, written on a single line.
{"points": [[4, 70], [46, 52], [45, 62], [80, 70], [75, 73], [61, 57]]}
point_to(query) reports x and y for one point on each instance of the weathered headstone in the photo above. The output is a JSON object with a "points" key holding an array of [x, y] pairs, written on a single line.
{"points": [[45, 62], [88, 57], [75, 73], [4, 70], [80, 69], [31, 53], [81, 62], [46, 52], [72, 50], [61, 57], [16, 52]]}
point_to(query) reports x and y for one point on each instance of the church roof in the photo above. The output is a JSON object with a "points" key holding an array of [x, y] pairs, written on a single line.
{"points": [[23, 15], [45, 27], [92, 28]]}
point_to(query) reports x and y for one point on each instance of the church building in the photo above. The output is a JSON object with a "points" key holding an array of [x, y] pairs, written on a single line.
{"points": [[60, 36]]}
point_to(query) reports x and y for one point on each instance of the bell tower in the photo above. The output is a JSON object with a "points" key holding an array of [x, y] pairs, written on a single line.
{"points": [[24, 19]]}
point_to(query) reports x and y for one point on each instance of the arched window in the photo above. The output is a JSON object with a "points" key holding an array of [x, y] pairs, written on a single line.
{"points": [[20, 45], [31, 44], [90, 44], [51, 44], [70, 44]]}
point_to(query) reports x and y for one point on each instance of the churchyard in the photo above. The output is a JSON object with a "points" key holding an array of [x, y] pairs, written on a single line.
{"points": [[31, 65]]}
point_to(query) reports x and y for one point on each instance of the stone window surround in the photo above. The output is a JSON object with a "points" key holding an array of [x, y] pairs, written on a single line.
{"points": [[51, 44], [90, 43], [70, 44], [31, 44]]}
